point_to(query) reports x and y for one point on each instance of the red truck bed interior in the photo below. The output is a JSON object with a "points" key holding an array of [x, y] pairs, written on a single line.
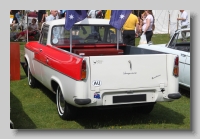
{"points": [[98, 52]]}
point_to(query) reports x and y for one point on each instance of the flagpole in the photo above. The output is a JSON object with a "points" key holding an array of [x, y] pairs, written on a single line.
{"points": [[70, 40], [118, 39], [177, 22], [168, 22], [27, 26]]}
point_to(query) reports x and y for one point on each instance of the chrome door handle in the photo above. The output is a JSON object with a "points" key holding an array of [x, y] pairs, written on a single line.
{"points": [[40, 50], [47, 60]]}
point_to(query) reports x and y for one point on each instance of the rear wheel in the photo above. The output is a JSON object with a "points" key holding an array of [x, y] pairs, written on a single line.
{"points": [[32, 82], [65, 110]]}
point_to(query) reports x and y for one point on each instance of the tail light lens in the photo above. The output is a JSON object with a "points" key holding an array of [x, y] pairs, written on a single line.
{"points": [[176, 67], [83, 70]]}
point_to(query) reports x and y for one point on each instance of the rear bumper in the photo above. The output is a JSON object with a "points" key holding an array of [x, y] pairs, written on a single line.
{"points": [[88, 100], [82, 101], [174, 95]]}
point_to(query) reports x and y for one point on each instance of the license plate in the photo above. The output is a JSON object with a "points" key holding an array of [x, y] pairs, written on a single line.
{"points": [[129, 98]]}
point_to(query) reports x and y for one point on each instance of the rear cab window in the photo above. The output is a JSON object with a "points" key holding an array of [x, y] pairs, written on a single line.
{"points": [[83, 34]]}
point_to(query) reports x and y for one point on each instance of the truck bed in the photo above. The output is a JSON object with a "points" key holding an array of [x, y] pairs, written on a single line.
{"points": [[132, 50], [98, 52], [111, 50]]}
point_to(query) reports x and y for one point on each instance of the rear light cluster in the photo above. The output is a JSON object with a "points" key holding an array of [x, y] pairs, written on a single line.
{"points": [[176, 67], [83, 70]]}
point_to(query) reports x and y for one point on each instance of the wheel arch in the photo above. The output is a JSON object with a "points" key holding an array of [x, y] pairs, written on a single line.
{"points": [[26, 58], [27, 61], [55, 82]]}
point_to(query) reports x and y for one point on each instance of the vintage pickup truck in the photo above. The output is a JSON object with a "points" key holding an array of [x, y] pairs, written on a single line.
{"points": [[89, 66]]}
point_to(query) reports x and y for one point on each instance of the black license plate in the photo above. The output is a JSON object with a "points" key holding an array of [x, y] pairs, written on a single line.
{"points": [[129, 98]]}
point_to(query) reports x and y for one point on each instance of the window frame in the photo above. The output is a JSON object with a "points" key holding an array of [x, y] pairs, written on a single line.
{"points": [[104, 36], [45, 29]]}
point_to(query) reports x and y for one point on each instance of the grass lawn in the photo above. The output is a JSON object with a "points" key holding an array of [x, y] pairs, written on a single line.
{"points": [[36, 109]]}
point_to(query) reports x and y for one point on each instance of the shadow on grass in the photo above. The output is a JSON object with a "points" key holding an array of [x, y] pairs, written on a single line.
{"points": [[47, 92], [23, 70], [23, 77], [20, 119], [93, 119]]}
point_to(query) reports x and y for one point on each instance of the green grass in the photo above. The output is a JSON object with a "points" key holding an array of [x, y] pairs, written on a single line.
{"points": [[36, 109]]}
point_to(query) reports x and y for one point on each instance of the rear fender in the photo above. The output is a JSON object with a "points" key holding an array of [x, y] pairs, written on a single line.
{"points": [[57, 80]]}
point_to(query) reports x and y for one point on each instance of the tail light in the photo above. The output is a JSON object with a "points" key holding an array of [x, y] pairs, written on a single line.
{"points": [[176, 67], [83, 70]]}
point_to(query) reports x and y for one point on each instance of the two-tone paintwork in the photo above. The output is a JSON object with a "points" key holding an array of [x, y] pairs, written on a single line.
{"points": [[107, 76]]}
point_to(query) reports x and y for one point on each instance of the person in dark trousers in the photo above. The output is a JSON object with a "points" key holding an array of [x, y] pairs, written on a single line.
{"points": [[148, 25], [41, 18], [129, 27]]}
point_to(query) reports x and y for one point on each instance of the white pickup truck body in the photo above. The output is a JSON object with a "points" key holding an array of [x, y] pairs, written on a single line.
{"points": [[133, 78]]}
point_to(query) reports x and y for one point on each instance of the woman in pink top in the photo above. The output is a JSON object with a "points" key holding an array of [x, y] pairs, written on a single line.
{"points": [[148, 25]]}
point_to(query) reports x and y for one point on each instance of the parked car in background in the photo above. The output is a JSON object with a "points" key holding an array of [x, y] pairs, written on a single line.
{"points": [[180, 47]]}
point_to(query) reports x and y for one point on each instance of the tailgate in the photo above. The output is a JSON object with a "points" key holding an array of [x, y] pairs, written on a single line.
{"points": [[128, 71]]}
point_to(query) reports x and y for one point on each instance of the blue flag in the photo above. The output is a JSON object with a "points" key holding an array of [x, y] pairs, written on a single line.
{"points": [[119, 17], [74, 16]]}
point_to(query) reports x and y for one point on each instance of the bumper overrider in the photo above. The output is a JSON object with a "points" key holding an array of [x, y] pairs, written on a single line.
{"points": [[82, 101], [174, 95]]}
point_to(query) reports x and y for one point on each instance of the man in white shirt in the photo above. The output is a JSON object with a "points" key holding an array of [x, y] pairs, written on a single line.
{"points": [[52, 16], [56, 30], [92, 14], [184, 22]]}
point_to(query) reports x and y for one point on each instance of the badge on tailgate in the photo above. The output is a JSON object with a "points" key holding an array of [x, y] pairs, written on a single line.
{"points": [[96, 83], [97, 62]]}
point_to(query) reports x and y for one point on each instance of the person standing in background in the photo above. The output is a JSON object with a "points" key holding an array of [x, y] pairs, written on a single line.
{"points": [[14, 25], [56, 30], [184, 22], [52, 16], [141, 20], [18, 15], [129, 27], [41, 18], [107, 14], [148, 25]]}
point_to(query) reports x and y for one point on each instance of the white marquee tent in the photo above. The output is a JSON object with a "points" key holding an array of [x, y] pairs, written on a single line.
{"points": [[166, 21]]}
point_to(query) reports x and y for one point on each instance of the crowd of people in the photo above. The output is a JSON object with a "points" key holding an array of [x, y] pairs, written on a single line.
{"points": [[135, 26], [39, 17]]}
